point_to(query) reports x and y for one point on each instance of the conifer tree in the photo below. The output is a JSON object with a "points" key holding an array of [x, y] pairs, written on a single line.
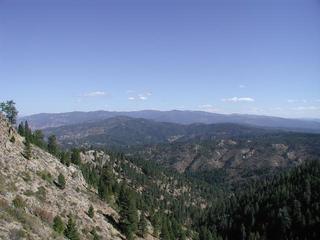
{"points": [[128, 213], [21, 129], [10, 111], [91, 212], [71, 231], [165, 235], [61, 181], [142, 227], [53, 145], [106, 183], [27, 150], [156, 223], [38, 138], [75, 156], [27, 131], [95, 235], [65, 158]]}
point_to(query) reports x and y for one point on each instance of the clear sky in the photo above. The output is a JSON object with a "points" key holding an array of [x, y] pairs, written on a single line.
{"points": [[227, 56]]}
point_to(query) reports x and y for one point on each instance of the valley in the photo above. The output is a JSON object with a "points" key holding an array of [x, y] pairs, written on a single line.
{"points": [[134, 178]]}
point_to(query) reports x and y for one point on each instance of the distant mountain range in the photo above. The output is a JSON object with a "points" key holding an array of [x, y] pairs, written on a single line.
{"points": [[46, 120], [196, 147], [129, 132]]}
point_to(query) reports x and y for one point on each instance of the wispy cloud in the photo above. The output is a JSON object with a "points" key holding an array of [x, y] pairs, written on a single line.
{"points": [[306, 108], [238, 99], [208, 108], [141, 96], [297, 101], [95, 94], [242, 86], [276, 109]]}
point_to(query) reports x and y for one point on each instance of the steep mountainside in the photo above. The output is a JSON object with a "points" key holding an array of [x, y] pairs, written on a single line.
{"points": [[45, 120], [130, 198], [31, 197]]}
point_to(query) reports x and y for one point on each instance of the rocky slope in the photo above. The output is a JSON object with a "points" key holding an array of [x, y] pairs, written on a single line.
{"points": [[30, 197]]}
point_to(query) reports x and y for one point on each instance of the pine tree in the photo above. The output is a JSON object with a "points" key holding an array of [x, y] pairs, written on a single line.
{"points": [[58, 224], [128, 213], [106, 183], [27, 132], [38, 138], [156, 223], [61, 181], [10, 111], [27, 150], [165, 235], [142, 227], [284, 220], [21, 129], [53, 145], [91, 211], [243, 232], [65, 158], [71, 231], [95, 235], [75, 156]]}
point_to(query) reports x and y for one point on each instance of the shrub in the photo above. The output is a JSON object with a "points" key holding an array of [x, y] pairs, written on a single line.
{"points": [[61, 181], [13, 139], [41, 193], [58, 224], [18, 202], [45, 175], [71, 231], [95, 235], [27, 150], [91, 212]]}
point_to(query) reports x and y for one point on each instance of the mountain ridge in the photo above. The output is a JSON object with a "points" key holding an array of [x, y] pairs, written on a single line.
{"points": [[125, 131], [45, 120]]}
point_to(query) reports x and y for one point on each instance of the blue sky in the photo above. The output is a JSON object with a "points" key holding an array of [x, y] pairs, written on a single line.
{"points": [[257, 57]]}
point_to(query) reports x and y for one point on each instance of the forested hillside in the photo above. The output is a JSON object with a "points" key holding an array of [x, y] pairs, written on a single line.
{"points": [[236, 157], [286, 206], [89, 192]]}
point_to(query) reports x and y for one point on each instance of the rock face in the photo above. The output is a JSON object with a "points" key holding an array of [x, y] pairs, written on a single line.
{"points": [[30, 199]]}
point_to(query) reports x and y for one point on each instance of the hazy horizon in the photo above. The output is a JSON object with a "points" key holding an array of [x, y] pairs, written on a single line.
{"points": [[169, 110]]}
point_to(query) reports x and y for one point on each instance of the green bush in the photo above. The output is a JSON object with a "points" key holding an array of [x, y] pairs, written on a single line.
{"points": [[13, 139], [71, 231], [58, 224], [45, 175], [91, 212], [61, 181], [18, 202]]}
